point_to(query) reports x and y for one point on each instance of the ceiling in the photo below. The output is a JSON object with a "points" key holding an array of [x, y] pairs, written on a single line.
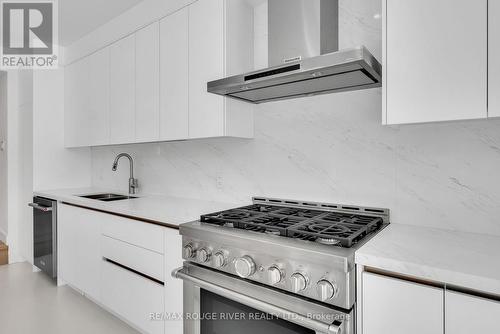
{"points": [[79, 17]]}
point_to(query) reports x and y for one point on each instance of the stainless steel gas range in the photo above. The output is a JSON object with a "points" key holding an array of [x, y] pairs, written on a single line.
{"points": [[277, 266]]}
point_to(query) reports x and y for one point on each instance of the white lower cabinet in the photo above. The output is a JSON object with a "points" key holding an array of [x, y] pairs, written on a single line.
{"points": [[173, 286], [136, 258], [132, 297], [395, 306], [467, 314], [124, 264], [79, 251], [391, 305]]}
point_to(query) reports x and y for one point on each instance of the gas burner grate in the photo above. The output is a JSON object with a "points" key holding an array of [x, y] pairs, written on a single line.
{"points": [[261, 208], [325, 227], [233, 216], [272, 222], [346, 233]]}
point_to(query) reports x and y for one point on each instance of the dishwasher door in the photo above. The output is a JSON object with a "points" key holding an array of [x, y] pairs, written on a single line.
{"points": [[45, 235]]}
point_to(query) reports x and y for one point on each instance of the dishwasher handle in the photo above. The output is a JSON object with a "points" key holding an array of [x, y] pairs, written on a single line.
{"points": [[299, 319], [37, 206]]}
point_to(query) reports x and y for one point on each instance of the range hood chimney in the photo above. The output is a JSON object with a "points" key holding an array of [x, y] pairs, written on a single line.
{"points": [[304, 57], [300, 29]]}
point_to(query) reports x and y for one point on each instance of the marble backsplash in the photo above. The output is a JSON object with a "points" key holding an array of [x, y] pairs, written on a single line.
{"points": [[332, 148]]}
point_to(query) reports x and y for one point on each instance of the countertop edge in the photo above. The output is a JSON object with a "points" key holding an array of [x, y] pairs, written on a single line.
{"points": [[420, 253], [147, 208]]}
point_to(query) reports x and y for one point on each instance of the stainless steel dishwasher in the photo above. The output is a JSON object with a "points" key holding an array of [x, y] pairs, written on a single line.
{"points": [[45, 235]]}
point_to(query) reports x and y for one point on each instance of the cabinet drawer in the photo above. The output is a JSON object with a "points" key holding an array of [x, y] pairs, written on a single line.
{"points": [[391, 305], [134, 232], [132, 297], [139, 259]]}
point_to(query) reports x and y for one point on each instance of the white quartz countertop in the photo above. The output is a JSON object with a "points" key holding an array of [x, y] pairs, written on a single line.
{"points": [[460, 259], [167, 210]]}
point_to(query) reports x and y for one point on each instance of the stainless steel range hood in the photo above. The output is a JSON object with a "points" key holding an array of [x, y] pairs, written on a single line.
{"points": [[304, 57]]}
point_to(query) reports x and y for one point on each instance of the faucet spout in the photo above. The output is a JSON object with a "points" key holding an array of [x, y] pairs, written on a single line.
{"points": [[133, 183]]}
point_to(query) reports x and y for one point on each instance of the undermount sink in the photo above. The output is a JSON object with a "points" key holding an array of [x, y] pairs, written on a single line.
{"points": [[107, 197]]}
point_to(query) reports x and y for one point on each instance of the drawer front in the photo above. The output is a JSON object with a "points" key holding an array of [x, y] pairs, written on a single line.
{"points": [[134, 232], [139, 259], [132, 297]]}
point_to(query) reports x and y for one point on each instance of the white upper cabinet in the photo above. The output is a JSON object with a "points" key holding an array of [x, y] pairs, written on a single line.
{"points": [[86, 101], [435, 60], [152, 85], [206, 63], [76, 101], [494, 55], [147, 83], [467, 314], [98, 112], [174, 99], [395, 306], [122, 91], [220, 44]]}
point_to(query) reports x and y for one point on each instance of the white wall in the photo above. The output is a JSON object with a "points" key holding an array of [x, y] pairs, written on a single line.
{"points": [[37, 158], [333, 148], [54, 166], [25, 175], [19, 162], [3, 158]]}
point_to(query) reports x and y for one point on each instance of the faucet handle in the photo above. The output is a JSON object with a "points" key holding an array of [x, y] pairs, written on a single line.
{"points": [[133, 185]]}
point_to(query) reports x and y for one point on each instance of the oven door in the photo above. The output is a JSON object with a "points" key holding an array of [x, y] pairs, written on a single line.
{"points": [[215, 302]]}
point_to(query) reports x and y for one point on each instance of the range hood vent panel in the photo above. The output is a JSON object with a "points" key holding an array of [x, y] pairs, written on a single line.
{"points": [[300, 32]]}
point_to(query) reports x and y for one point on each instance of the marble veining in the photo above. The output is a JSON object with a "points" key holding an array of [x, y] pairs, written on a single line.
{"points": [[455, 258], [333, 148]]}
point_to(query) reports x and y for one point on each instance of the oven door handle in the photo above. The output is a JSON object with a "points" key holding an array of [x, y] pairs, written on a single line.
{"points": [[299, 319], [40, 207]]}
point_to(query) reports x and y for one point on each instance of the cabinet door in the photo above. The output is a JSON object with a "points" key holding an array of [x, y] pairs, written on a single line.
{"points": [[97, 132], [79, 250], [494, 55], [396, 306], [206, 63], [122, 91], [173, 287], [133, 297], [88, 250], [467, 314], [147, 78], [174, 114], [76, 103], [67, 236], [436, 60]]}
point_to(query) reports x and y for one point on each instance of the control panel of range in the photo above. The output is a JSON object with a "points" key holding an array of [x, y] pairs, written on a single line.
{"points": [[312, 281]]}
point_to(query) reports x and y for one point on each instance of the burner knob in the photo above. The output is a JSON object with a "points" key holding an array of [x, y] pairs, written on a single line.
{"points": [[326, 290], [274, 275], [220, 259], [188, 251], [203, 255], [299, 282], [244, 266]]}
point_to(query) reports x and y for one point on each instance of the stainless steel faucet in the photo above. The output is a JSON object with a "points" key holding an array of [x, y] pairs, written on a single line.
{"points": [[133, 184]]}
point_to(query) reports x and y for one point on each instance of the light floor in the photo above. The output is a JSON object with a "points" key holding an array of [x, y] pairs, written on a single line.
{"points": [[30, 303]]}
